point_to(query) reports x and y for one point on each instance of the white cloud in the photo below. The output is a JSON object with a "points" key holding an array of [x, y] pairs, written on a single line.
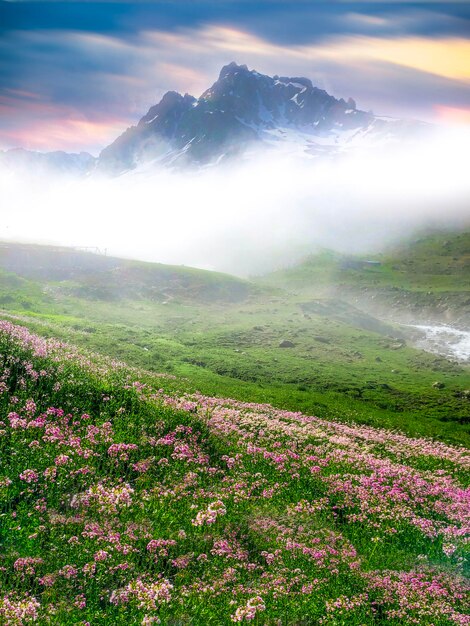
{"points": [[248, 217]]}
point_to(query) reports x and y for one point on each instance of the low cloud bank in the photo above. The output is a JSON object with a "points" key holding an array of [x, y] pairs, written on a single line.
{"points": [[250, 217]]}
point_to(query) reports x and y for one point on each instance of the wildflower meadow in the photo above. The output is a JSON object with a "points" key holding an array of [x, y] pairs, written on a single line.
{"points": [[124, 502]]}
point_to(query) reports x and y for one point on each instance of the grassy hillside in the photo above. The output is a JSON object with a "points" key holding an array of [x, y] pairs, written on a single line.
{"points": [[125, 502], [426, 278], [68, 271], [341, 363], [420, 264]]}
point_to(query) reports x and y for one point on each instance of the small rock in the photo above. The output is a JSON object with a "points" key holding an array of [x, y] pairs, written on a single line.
{"points": [[321, 339], [438, 385], [285, 343]]}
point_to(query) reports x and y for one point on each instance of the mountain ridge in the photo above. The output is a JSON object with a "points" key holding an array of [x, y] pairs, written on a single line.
{"points": [[243, 110], [40, 162]]}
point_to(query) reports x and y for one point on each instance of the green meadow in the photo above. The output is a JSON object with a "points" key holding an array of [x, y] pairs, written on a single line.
{"points": [[347, 357]]}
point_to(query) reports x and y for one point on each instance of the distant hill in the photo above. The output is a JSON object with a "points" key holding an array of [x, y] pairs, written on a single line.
{"points": [[100, 277], [427, 278]]}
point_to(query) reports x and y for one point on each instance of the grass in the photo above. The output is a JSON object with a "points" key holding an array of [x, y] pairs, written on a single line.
{"points": [[439, 262], [345, 363], [127, 499], [428, 276], [341, 379]]}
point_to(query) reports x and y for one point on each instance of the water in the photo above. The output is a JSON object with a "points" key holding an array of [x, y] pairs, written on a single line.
{"points": [[445, 340]]}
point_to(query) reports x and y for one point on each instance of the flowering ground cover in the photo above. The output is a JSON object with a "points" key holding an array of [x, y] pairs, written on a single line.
{"points": [[123, 502]]}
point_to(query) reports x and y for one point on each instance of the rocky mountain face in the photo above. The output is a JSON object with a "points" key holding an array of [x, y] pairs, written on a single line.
{"points": [[245, 109], [242, 111]]}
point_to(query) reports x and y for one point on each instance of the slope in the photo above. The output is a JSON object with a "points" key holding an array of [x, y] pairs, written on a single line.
{"points": [[124, 501], [68, 271], [338, 362], [424, 278]]}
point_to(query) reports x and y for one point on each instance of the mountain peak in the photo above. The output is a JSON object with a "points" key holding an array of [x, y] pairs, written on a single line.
{"points": [[232, 68], [171, 103], [171, 97], [243, 107]]}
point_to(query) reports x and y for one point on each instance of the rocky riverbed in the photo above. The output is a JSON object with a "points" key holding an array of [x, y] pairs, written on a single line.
{"points": [[445, 340]]}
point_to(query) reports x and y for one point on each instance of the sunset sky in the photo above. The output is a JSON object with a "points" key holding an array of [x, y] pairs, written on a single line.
{"points": [[73, 75]]}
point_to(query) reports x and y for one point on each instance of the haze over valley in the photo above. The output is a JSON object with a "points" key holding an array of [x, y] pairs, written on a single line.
{"points": [[315, 169]]}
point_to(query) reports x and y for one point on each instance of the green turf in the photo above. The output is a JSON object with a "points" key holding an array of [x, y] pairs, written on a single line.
{"points": [[344, 363], [124, 503]]}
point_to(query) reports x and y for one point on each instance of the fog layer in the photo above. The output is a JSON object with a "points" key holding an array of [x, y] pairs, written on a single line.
{"points": [[248, 217]]}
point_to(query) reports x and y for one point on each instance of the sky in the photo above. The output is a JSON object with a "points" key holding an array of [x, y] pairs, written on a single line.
{"points": [[74, 75]]}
